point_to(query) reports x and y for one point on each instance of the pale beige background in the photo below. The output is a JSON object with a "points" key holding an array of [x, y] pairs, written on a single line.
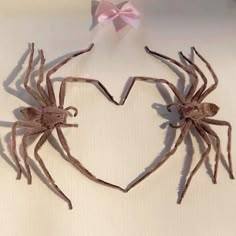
{"points": [[117, 143]]}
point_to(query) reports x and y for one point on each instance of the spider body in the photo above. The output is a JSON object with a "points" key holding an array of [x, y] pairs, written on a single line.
{"points": [[194, 113], [47, 116], [197, 111], [53, 116]]}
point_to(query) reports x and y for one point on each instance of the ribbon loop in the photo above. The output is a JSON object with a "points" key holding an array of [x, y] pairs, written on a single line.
{"points": [[127, 14]]}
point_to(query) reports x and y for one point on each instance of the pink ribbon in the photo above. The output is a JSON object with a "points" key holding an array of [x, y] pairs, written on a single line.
{"points": [[127, 14]]}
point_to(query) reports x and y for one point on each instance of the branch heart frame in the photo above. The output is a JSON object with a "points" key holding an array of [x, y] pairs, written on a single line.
{"points": [[49, 115]]}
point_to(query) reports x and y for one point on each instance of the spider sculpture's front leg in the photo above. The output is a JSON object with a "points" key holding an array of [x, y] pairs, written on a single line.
{"points": [[213, 86], [195, 96], [150, 80], [97, 83]]}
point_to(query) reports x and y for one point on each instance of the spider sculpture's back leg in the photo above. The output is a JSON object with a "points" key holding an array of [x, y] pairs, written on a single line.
{"points": [[31, 91], [79, 166], [203, 157], [224, 123], [13, 149], [212, 87], [56, 67], [41, 141], [180, 139], [218, 152], [41, 90], [183, 67], [33, 131], [13, 143]]}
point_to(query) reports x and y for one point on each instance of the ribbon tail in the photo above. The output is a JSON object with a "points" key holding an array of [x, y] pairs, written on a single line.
{"points": [[119, 23]]}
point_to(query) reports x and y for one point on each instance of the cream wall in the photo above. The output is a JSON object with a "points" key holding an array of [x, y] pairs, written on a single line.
{"points": [[118, 143]]}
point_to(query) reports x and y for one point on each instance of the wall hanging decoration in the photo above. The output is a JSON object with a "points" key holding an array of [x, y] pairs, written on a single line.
{"points": [[46, 117]]}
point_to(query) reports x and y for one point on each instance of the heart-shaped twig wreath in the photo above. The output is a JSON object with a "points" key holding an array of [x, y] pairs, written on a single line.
{"points": [[43, 118]]}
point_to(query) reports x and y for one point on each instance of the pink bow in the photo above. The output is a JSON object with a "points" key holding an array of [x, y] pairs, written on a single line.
{"points": [[121, 16]]}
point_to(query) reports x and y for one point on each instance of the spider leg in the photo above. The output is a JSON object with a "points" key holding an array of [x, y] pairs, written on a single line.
{"points": [[218, 152], [203, 157], [72, 108], [183, 67], [34, 131], [212, 87], [31, 91], [224, 123], [41, 90], [13, 143], [69, 125], [195, 96], [41, 141], [79, 166], [153, 80], [56, 67], [180, 139], [97, 83]]}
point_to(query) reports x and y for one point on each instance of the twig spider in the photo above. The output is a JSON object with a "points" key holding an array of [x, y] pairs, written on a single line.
{"points": [[46, 117], [193, 112]]}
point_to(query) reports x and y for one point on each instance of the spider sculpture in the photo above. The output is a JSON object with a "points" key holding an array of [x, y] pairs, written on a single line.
{"points": [[193, 112], [48, 116]]}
